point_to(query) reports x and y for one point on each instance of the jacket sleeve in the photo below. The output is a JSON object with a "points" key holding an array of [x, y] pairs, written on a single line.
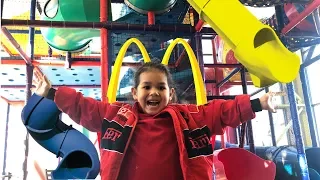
{"points": [[85, 111], [218, 114]]}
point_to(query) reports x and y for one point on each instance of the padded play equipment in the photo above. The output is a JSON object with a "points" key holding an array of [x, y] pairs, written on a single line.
{"points": [[80, 159], [240, 164], [285, 159]]}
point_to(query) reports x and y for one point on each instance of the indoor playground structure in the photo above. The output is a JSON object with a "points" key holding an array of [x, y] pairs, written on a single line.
{"points": [[212, 48]]}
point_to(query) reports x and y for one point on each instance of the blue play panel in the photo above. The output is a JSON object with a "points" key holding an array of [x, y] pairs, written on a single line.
{"points": [[15, 75], [12, 75], [83, 79], [74, 76]]}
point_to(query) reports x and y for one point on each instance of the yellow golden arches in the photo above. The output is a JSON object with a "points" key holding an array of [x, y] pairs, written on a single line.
{"points": [[199, 85], [114, 79], [197, 77]]}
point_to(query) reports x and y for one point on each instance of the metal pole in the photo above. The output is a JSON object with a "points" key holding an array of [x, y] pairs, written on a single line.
{"points": [[2, 1], [15, 44], [104, 11], [310, 61], [107, 25], [248, 123], [305, 44], [273, 135], [104, 50], [294, 111], [257, 91], [6, 143], [221, 83], [302, 15], [199, 53], [75, 62], [68, 61], [29, 74], [309, 108], [297, 133]]}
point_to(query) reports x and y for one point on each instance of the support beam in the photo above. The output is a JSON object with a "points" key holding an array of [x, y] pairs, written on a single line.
{"points": [[297, 133], [95, 86], [3, 98], [14, 43], [246, 128], [54, 86], [107, 25], [235, 71], [62, 63], [97, 63], [19, 31], [198, 28], [309, 109], [223, 65], [6, 49], [4, 165], [257, 91], [29, 76], [271, 123], [305, 13], [308, 62], [2, 1]]}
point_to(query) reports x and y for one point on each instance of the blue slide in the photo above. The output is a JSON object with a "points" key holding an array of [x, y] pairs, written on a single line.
{"points": [[80, 159]]}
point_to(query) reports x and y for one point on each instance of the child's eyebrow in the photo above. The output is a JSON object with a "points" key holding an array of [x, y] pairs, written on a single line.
{"points": [[148, 83], [162, 83]]}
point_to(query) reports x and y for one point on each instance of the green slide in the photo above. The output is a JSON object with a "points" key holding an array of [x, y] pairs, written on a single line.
{"points": [[156, 6], [76, 40], [70, 39]]}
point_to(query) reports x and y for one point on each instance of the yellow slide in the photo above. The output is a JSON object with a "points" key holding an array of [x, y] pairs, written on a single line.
{"points": [[254, 44]]}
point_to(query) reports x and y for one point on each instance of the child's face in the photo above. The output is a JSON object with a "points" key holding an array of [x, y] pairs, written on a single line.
{"points": [[153, 93]]}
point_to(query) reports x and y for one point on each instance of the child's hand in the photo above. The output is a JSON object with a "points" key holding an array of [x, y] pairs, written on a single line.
{"points": [[41, 82], [266, 102]]}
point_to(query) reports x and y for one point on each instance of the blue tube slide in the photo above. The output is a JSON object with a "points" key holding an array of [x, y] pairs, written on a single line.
{"points": [[80, 159]]}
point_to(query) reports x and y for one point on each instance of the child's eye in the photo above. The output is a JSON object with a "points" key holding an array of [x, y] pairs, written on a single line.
{"points": [[162, 88], [146, 87]]}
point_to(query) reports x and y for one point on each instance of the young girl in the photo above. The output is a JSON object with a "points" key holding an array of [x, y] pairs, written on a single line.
{"points": [[153, 139]]}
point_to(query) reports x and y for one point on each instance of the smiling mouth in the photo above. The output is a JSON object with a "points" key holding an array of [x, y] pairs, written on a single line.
{"points": [[153, 103]]}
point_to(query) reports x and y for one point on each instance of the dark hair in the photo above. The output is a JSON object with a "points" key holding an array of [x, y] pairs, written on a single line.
{"points": [[153, 65]]}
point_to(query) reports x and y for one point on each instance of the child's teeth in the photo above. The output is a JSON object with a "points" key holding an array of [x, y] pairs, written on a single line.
{"points": [[153, 103]]}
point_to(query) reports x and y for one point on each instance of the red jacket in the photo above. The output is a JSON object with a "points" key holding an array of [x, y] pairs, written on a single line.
{"points": [[194, 125]]}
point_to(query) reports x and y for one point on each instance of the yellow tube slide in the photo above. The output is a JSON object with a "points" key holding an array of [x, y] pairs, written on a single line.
{"points": [[254, 44]]}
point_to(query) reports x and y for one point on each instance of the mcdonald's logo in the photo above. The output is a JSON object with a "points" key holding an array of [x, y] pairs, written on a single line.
{"points": [[198, 82]]}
